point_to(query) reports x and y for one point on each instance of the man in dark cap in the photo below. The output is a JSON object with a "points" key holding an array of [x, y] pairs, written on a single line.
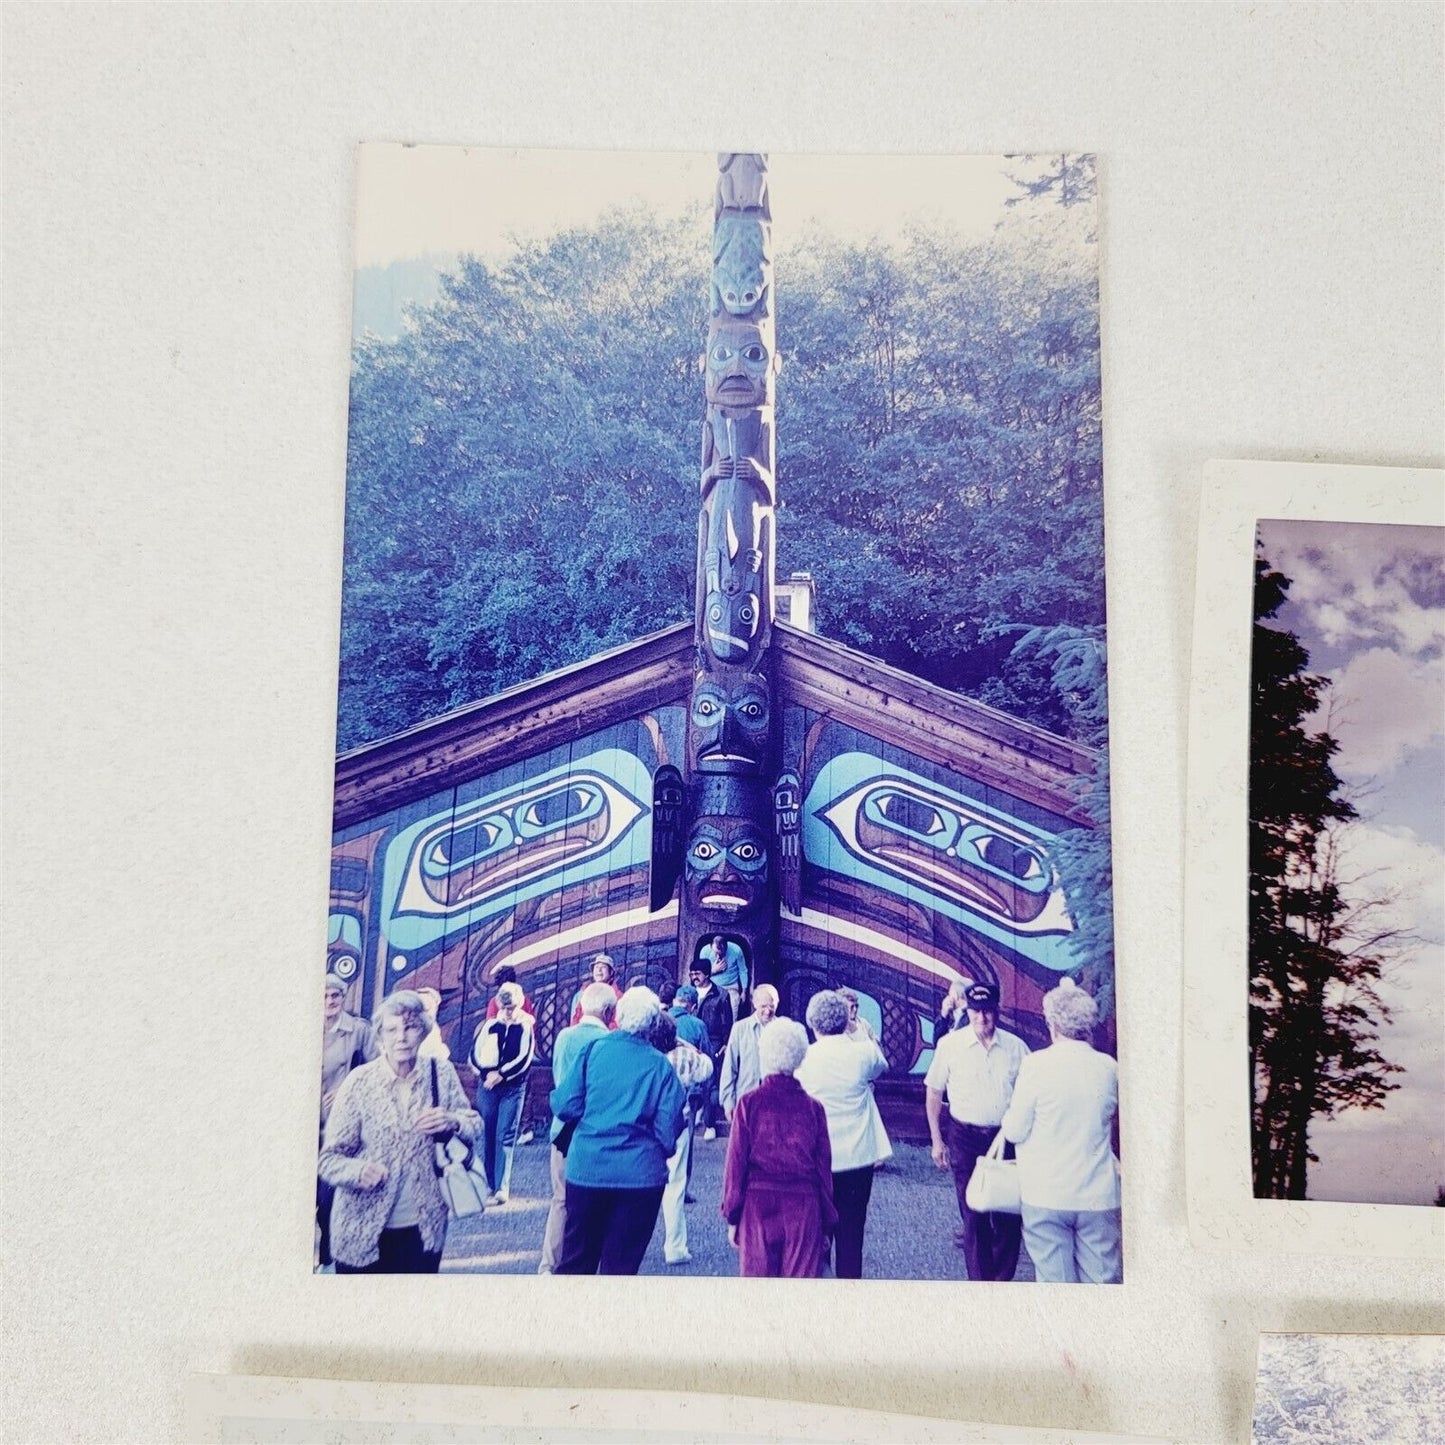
{"points": [[974, 1068], [715, 1010]]}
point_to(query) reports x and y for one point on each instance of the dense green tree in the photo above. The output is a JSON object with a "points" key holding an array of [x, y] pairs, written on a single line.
{"points": [[522, 474], [523, 465], [1083, 857], [1314, 962]]}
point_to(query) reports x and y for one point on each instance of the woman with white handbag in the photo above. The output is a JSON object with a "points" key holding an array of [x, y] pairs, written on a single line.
{"points": [[1061, 1118], [390, 1216]]}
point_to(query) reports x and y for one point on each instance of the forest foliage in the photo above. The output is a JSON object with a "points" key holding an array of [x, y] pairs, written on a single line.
{"points": [[523, 464]]}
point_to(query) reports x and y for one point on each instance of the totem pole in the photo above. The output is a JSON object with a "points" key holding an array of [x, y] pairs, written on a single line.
{"points": [[716, 825]]}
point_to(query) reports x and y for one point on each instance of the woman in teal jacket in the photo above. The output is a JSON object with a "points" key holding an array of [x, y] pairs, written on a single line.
{"points": [[627, 1107]]}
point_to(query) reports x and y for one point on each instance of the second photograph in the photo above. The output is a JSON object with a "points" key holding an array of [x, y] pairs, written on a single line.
{"points": [[721, 876]]}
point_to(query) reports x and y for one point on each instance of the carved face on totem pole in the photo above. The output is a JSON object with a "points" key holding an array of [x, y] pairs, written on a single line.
{"points": [[738, 365], [731, 623], [725, 871], [731, 714], [740, 266]]}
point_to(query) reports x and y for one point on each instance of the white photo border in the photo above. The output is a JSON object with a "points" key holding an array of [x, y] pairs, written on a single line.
{"points": [[1223, 1212]]}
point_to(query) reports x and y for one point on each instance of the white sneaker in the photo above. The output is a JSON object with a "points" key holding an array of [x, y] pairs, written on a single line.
{"points": [[709, 1133], [677, 1259], [500, 1197], [525, 1138]]}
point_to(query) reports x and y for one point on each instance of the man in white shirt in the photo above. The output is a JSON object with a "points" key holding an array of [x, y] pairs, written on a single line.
{"points": [[975, 1067]]}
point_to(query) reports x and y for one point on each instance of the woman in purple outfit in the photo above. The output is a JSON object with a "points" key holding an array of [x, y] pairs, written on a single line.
{"points": [[778, 1179]]}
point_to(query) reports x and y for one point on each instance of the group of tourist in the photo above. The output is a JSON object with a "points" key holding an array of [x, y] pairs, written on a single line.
{"points": [[638, 1075], [1057, 1108]]}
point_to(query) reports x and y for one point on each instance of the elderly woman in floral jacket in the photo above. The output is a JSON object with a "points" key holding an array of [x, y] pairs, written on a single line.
{"points": [[389, 1216]]}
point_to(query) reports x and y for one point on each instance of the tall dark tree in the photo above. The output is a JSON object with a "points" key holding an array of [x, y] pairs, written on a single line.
{"points": [[1314, 1010]]}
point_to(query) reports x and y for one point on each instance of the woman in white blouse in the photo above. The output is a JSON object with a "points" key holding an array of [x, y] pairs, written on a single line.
{"points": [[838, 1071], [1061, 1118]]}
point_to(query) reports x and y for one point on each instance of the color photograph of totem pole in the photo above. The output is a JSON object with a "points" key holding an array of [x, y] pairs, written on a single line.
{"points": [[721, 873]]}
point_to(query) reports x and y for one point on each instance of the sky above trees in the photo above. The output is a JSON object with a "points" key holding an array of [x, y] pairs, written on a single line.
{"points": [[425, 200], [1367, 600]]}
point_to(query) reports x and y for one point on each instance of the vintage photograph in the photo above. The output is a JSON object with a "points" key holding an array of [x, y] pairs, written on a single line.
{"points": [[721, 874], [1347, 862], [1349, 1390], [1315, 946]]}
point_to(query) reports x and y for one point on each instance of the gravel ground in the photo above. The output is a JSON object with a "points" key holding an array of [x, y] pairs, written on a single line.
{"points": [[911, 1221]]}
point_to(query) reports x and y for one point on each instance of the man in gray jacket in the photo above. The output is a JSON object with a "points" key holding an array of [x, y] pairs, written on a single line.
{"points": [[741, 1071]]}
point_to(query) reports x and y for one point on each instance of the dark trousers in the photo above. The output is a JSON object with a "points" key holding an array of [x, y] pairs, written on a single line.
{"points": [[401, 1253], [852, 1189], [608, 1230], [990, 1241], [712, 1110]]}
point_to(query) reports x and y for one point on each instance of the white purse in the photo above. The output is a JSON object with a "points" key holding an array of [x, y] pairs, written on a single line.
{"points": [[463, 1185], [993, 1187]]}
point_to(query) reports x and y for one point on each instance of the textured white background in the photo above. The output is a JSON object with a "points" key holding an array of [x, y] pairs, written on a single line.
{"points": [[178, 197]]}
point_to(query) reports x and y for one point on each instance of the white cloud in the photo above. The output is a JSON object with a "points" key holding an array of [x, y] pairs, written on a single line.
{"points": [[1366, 582], [1377, 860], [1382, 706]]}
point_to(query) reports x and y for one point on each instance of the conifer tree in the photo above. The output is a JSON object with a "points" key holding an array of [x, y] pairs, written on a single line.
{"points": [[1314, 1010]]}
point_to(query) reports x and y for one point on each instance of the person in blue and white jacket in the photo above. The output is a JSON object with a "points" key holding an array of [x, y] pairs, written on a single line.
{"points": [[502, 1053], [693, 1069]]}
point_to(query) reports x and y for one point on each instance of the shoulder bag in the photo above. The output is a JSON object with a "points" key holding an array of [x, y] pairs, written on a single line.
{"points": [[463, 1185], [993, 1187]]}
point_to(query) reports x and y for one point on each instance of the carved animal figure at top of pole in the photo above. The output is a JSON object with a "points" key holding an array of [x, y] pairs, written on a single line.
{"points": [[742, 183], [735, 564]]}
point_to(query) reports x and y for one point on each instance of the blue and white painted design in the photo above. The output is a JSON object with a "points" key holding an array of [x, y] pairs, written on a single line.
{"points": [[577, 821], [988, 871]]}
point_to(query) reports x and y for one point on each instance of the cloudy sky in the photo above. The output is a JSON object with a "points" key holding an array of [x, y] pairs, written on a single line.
{"points": [[424, 200], [420, 208], [1368, 601]]}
